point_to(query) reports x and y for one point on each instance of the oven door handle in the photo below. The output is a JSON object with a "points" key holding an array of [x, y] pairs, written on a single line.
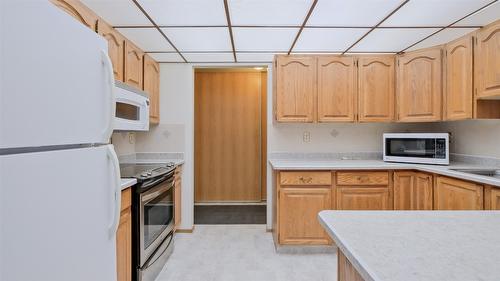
{"points": [[155, 182], [153, 195]]}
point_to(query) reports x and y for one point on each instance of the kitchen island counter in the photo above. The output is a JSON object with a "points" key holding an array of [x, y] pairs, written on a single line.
{"points": [[417, 245]]}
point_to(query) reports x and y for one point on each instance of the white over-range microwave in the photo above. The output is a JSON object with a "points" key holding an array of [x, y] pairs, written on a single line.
{"points": [[132, 108], [421, 148]]}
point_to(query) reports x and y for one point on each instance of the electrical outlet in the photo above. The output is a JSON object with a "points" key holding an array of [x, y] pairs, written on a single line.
{"points": [[131, 138], [306, 137]]}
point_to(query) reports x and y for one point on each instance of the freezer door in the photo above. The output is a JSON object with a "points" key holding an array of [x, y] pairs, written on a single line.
{"points": [[58, 215], [56, 83]]}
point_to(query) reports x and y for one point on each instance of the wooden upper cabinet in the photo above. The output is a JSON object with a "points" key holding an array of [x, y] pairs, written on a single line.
{"points": [[376, 88], [298, 215], [152, 87], [79, 11], [454, 194], [133, 65], [419, 86], [459, 93], [412, 191], [295, 85], [336, 89], [487, 61], [116, 47]]}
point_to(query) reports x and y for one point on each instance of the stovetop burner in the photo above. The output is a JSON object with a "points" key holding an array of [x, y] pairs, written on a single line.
{"points": [[145, 171]]}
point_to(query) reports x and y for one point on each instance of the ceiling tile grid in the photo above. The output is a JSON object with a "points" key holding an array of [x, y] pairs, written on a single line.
{"points": [[261, 28]]}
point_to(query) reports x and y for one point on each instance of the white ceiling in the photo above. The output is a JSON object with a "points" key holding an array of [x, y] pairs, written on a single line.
{"points": [[261, 28]]}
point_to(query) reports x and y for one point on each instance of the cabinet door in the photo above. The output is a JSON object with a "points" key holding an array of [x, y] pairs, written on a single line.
{"points": [[116, 47], [453, 194], [376, 92], [152, 87], [458, 94], [133, 65], [412, 191], [336, 89], [419, 87], [295, 89], [492, 198], [79, 11], [124, 239], [298, 215], [362, 198], [487, 61]]}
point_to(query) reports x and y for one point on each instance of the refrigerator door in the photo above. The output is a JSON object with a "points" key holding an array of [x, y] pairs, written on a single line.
{"points": [[59, 212], [56, 78]]}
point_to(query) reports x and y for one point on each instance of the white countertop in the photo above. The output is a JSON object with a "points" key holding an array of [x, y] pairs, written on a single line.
{"points": [[314, 164], [127, 182], [418, 245]]}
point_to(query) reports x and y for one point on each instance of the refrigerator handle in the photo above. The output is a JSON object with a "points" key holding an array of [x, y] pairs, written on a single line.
{"points": [[117, 194], [112, 100]]}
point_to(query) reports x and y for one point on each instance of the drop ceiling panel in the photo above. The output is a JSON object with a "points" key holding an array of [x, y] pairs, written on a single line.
{"points": [[118, 12], [442, 37], [266, 12], [166, 57], [391, 40], [209, 57], [255, 57], [328, 39], [264, 39], [483, 17], [200, 39], [433, 12], [361, 13], [148, 39], [186, 12]]}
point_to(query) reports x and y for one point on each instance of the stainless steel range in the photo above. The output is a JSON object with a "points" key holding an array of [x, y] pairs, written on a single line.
{"points": [[152, 217]]}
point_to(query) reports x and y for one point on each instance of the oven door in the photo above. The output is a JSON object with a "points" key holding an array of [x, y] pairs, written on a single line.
{"points": [[156, 214]]}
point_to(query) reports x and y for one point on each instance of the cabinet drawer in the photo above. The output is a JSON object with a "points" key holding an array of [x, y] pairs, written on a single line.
{"points": [[363, 178], [126, 198], [305, 178]]}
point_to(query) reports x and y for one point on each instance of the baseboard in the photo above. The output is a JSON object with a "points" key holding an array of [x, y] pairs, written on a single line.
{"points": [[186, 230]]}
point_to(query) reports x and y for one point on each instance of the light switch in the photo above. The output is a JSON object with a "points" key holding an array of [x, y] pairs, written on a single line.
{"points": [[306, 137]]}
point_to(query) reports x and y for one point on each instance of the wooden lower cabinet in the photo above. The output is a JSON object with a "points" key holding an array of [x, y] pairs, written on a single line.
{"points": [[362, 198], [412, 190], [124, 239], [454, 194], [177, 196], [298, 215], [346, 271]]}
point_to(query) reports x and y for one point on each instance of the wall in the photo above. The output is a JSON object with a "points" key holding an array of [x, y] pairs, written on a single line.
{"points": [[175, 132], [474, 137], [124, 143]]}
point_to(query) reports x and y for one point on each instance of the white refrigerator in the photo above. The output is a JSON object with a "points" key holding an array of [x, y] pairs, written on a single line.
{"points": [[59, 176]]}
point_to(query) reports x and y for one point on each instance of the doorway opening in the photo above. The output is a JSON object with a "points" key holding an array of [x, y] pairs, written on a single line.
{"points": [[230, 152]]}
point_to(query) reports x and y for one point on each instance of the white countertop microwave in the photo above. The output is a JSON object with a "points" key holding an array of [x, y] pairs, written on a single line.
{"points": [[421, 148], [132, 108]]}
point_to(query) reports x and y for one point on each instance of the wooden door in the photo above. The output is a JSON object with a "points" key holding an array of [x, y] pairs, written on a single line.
{"points": [[152, 87], [487, 61], [362, 198], [419, 87], [454, 194], [412, 191], [177, 196], [459, 93], [79, 11], [298, 215], [227, 135], [116, 47], [376, 88], [336, 89], [124, 239], [133, 65], [295, 86]]}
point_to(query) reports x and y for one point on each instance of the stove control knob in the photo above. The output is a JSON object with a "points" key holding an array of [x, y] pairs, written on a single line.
{"points": [[144, 175]]}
